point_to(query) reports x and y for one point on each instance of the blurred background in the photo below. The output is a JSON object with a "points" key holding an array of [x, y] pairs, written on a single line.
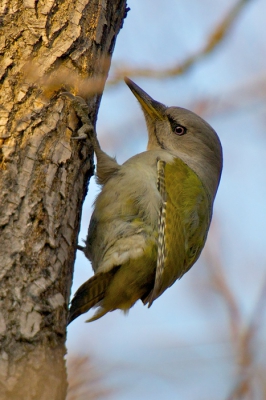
{"points": [[205, 337]]}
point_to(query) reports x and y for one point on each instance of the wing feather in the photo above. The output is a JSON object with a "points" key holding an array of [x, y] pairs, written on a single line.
{"points": [[161, 252], [183, 223]]}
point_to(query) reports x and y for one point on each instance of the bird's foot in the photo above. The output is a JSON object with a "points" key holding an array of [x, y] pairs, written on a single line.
{"points": [[82, 111]]}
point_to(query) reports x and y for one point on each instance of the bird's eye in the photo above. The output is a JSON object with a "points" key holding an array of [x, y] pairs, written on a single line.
{"points": [[177, 128], [180, 130]]}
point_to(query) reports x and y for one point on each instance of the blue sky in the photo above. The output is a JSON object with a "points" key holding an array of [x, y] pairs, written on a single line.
{"points": [[181, 347]]}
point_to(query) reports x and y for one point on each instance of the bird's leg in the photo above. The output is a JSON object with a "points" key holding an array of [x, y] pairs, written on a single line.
{"points": [[106, 165], [82, 111]]}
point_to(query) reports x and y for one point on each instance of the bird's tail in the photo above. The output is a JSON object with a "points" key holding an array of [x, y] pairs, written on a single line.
{"points": [[90, 294]]}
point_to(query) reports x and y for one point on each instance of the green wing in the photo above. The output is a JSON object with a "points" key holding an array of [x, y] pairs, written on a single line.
{"points": [[183, 223]]}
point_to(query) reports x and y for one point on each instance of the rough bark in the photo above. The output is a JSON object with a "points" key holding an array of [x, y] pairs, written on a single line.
{"points": [[45, 47]]}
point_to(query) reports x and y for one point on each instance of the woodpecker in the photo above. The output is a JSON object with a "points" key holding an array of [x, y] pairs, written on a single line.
{"points": [[151, 219]]}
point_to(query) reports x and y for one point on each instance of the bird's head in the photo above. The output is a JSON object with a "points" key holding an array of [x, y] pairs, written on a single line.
{"points": [[184, 134]]}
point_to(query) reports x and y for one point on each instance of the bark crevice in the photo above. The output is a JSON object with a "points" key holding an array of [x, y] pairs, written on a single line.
{"points": [[47, 47]]}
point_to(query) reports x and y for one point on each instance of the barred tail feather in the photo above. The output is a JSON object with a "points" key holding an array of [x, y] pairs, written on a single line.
{"points": [[99, 313], [90, 294]]}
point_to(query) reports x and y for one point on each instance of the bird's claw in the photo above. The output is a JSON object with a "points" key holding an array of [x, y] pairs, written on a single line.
{"points": [[82, 110]]}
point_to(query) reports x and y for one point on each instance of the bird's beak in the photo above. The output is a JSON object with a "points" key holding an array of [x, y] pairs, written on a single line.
{"points": [[151, 107]]}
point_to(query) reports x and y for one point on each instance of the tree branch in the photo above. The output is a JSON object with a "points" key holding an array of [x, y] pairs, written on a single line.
{"points": [[213, 41]]}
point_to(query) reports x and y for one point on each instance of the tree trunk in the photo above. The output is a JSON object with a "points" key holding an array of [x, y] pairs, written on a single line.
{"points": [[46, 47]]}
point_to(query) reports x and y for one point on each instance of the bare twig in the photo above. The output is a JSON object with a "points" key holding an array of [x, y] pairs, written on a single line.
{"points": [[247, 352], [85, 382], [215, 38], [220, 283], [242, 97], [243, 335]]}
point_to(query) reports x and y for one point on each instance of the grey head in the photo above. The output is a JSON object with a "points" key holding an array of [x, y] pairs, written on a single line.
{"points": [[184, 134]]}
